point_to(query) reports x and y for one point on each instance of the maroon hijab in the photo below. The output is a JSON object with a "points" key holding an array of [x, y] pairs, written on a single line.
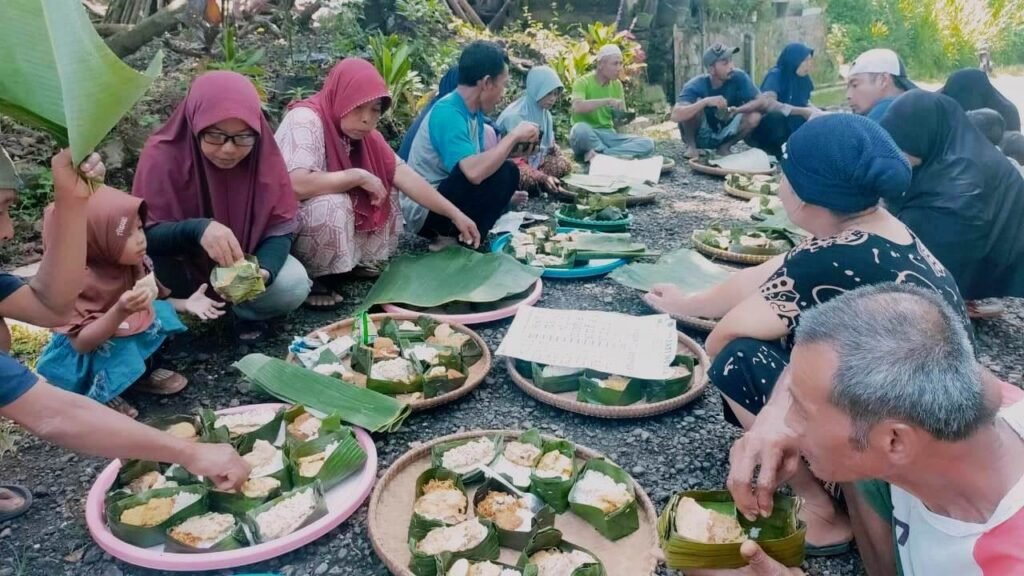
{"points": [[255, 198], [352, 83]]}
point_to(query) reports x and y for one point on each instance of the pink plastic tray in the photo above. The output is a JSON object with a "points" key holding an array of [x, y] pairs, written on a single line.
{"points": [[342, 501], [479, 317]]}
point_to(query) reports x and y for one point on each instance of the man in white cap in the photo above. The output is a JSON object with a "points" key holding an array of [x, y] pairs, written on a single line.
{"points": [[706, 107], [876, 78], [596, 100]]}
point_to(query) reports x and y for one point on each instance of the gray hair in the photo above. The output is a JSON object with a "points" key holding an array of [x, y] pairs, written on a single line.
{"points": [[903, 355]]}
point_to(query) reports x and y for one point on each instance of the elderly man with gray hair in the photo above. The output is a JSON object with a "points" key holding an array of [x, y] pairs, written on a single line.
{"points": [[597, 98], [884, 395]]}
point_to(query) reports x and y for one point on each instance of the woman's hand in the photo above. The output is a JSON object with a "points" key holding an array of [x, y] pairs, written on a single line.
{"points": [[203, 307], [221, 245], [468, 232], [550, 183], [669, 299], [373, 186], [134, 301]]}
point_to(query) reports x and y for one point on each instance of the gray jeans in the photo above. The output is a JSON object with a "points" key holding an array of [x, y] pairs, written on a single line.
{"points": [[288, 291], [583, 138]]}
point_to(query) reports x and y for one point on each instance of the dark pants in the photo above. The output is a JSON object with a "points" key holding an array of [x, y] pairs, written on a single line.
{"points": [[483, 203], [773, 131], [746, 372]]}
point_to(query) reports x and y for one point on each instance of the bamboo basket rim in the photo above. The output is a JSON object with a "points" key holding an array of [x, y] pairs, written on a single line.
{"points": [[697, 323], [716, 171], [596, 225], [698, 383], [427, 403], [745, 194], [751, 259], [410, 457]]}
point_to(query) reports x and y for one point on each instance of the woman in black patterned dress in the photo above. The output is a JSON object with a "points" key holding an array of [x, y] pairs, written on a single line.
{"points": [[836, 169]]}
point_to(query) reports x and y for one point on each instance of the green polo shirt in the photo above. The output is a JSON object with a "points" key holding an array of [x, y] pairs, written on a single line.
{"points": [[588, 88]]}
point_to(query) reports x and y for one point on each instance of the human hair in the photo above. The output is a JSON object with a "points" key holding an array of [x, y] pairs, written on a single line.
{"points": [[903, 355], [479, 60], [990, 123], [1013, 146]]}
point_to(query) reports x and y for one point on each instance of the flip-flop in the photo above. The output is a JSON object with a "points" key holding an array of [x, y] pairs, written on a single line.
{"points": [[123, 407], [319, 290], [22, 492], [830, 550], [162, 382], [250, 332]]}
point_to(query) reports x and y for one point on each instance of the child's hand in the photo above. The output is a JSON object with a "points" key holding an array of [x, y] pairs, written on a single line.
{"points": [[134, 301], [202, 307]]}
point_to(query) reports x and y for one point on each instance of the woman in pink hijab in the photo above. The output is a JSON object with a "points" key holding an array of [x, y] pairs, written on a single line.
{"points": [[217, 190], [347, 179]]}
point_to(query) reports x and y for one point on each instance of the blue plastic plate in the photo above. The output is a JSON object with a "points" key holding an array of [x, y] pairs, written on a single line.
{"points": [[591, 269]]}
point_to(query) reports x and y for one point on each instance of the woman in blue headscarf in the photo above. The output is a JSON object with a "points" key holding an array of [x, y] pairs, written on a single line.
{"points": [[449, 82], [546, 165], [785, 98]]}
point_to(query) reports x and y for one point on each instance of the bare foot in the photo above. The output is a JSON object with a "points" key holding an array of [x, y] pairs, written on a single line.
{"points": [[826, 527], [442, 242], [122, 406], [724, 150], [589, 155], [322, 297], [9, 501], [519, 198], [692, 153]]}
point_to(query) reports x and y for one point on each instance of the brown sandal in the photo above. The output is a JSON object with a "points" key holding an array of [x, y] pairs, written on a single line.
{"points": [[162, 382], [122, 406]]}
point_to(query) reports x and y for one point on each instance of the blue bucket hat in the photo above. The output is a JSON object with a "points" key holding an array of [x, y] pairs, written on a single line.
{"points": [[845, 163]]}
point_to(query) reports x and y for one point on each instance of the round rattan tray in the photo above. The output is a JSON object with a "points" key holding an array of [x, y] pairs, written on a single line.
{"points": [[718, 254], [476, 373], [743, 194], [567, 401], [715, 171], [392, 501]]}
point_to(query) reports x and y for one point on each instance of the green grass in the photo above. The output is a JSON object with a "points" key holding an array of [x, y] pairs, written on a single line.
{"points": [[833, 96]]}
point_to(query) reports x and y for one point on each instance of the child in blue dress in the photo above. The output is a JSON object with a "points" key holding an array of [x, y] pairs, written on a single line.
{"points": [[120, 320]]}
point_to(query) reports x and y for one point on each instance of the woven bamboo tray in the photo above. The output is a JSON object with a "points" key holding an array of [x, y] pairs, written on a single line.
{"points": [[712, 252], [476, 373], [743, 194], [716, 171], [668, 165], [570, 196], [567, 400], [697, 323], [392, 501]]}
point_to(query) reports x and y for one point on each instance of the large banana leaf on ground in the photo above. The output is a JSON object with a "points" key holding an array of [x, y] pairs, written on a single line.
{"points": [[685, 268], [58, 76], [452, 275]]}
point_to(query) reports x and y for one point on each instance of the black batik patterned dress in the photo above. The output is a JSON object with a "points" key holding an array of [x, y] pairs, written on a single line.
{"points": [[813, 273]]}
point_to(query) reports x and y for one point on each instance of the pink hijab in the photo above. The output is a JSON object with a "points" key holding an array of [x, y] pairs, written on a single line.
{"points": [[255, 198], [352, 83]]}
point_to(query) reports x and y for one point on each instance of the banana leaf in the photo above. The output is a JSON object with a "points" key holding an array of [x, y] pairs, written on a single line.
{"points": [[297, 385], [419, 525], [344, 461], [510, 470], [555, 384], [146, 537], [551, 539], [394, 387], [613, 525], [452, 275], [434, 386], [233, 541], [437, 456], [661, 390], [592, 392], [594, 246], [543, 517], [243, 443], [391, 328], [470, 351], [177, 473], [554, 491], [238, 504], [425, 565], [445, 566], [446, 356], [685, 268], [239, 282], [57, 75], [331, 423], [583, 183], [319, 511], [132, 469], [778, 242], [781, 535], [780, 222]]}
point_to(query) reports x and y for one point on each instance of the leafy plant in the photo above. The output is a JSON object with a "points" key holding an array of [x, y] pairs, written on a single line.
{"points": [[392, 57], [243, 61], [34, 198]]}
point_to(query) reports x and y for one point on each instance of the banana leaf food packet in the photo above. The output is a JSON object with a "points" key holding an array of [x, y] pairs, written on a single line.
{"points": [[463, 567], [210, 532], [547, 553], [473, 539], [604, 496], [441, 500], [239, 282]]}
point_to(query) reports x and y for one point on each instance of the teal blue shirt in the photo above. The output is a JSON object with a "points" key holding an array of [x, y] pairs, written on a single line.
{"points": [[879, 109]]}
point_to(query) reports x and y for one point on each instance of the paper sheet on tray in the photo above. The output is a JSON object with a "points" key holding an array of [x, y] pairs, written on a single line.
{"points": [[646, 170], [634, 346], [508, 223], [752, 160]]}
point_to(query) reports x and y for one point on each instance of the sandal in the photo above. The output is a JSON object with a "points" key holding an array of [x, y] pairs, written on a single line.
{"points": [[162, 382], [122, 406], [367, 271], [250, 332], [322, 292], [14, 491]]}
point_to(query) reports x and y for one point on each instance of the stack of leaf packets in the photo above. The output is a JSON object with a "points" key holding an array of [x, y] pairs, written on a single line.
{"points": [[548, 247], [240, 282], [594, 387], [749, 240]]}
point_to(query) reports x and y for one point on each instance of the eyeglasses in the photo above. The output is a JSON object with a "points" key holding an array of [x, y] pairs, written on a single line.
{"points": [[243, 140]]}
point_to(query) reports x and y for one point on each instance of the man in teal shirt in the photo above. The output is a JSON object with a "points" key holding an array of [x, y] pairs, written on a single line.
{"points": [[595, 99]]}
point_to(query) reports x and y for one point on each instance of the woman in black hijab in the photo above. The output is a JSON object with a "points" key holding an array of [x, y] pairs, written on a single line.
{"points": [[966, 201], [971, 89]]}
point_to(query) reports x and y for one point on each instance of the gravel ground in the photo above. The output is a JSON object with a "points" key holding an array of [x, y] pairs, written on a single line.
{"points": [[684, 449]]}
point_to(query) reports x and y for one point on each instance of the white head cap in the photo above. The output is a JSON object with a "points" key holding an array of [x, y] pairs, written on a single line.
{"points": [[608, 50]]}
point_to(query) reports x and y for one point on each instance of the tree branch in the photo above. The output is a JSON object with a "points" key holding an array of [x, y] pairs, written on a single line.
{"points": [[129, 41]]}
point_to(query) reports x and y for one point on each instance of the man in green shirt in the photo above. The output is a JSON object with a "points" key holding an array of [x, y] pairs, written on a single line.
{"points": [[595, 99]]}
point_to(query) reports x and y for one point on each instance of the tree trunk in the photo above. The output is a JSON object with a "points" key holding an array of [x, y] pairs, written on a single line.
{"points": [[305, 17], [502, 15], [130, 41], [106, 30]]}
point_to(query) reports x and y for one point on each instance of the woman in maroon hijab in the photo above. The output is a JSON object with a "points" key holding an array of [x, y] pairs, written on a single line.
{"points": [[217, 189], [347, 177]]}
